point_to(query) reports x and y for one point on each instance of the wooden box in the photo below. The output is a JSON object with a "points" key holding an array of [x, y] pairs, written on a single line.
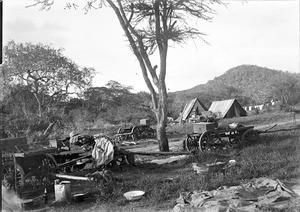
{"points": [[144, 121], [201, 127]]}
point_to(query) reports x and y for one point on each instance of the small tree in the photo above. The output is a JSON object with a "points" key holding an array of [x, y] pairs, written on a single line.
{"points": [[150, 25], [100, 99], [286, 90]]}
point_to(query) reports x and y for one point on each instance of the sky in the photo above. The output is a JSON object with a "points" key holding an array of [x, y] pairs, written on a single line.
{"points": [[263, 33]]}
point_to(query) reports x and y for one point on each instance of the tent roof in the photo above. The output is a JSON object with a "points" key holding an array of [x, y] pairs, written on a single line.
{"points": [[224, 106], [189, 106]]}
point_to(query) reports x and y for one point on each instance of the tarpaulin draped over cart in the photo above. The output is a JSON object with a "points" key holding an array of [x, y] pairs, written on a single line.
{"points": [[103, 151], [248, 197]]}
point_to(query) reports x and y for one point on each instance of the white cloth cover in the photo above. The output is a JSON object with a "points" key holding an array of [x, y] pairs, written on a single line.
{"points": [[258, 193], [103, 151]]}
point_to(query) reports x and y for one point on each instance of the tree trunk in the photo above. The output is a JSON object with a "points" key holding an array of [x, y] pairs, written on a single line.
{"points": [[161, 117], [159, 102], [162, 110], [39, 105], [162, 138], [48, 131]]}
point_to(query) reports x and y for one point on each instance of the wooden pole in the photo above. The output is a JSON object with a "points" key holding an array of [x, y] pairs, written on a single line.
{"points": [[280, 130], [70, 177], [72, 162], [161, 153]]}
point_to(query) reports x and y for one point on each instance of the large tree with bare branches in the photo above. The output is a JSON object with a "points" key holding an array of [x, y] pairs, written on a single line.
{"points": [[150, 26], [41, 78]]}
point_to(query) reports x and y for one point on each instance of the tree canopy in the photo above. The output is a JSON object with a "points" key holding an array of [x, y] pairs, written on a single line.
{"points": [[38, 78], [45, 71]]}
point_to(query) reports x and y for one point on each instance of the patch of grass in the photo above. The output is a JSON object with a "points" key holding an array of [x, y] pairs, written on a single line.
{"points": [[260, 119]]}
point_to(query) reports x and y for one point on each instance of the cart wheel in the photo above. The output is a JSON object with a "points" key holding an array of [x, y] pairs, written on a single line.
{"points": [[43, 176], [52, 162], [9, 181], [234, 137], [250, 136], [209, 141], [134, 137], [136, 134], [50, 167], [153, 131], [191, 144]]}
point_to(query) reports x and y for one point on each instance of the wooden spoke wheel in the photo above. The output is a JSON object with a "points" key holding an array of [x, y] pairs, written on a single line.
{"points": [[209, 141], [50, 167], [12, 179], [191, 143], [136, 134], [43, 175], [152, 133], [234, 137], [250, 136]]}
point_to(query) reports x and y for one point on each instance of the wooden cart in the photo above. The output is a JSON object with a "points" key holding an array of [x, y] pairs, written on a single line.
{"points": [[30, 171], [136, 132], [207, 137], [27, 171], [66, 154]]}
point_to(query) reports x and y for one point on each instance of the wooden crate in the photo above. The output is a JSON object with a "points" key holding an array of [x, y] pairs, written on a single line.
{"points": [[144, 121], [201, 127]]}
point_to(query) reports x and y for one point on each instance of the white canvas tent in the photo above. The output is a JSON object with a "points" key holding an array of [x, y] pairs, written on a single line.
{"points": [[227, 109], [192, 107]]}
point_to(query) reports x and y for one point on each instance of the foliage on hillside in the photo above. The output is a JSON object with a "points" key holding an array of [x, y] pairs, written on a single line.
{"points": [[252, 81], [249, 84]]}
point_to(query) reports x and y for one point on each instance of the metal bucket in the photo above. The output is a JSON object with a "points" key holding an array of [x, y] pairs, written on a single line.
{"points": [[62, 191]]}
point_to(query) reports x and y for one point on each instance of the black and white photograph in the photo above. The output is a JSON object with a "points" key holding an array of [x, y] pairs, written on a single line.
{"points": [[150, 105]]}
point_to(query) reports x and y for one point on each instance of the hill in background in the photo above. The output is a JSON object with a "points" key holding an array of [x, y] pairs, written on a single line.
{"points": [[250, 84]]}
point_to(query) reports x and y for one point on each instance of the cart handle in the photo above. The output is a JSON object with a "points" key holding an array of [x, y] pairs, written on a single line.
{"points": [[69, 163], [268, 128]]}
